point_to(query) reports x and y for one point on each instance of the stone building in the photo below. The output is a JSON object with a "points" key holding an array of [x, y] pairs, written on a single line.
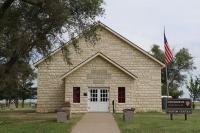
{"points": [[114, 70]]}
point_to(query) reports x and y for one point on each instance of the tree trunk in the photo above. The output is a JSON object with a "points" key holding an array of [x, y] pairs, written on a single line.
{"points": [[22, 103], [16, 103], [7, 102], [193, 105]]}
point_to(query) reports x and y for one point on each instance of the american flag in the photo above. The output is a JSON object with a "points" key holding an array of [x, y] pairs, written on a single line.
{"points": [[168, 52]]}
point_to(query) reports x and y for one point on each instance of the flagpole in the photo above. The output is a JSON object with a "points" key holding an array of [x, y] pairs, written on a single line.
{"points": [[166, 66], [167, 81], [168, 59], [167, 87]]}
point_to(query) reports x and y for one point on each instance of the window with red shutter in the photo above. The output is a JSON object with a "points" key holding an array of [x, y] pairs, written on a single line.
{"points": [[76, 94], [121, 94]]}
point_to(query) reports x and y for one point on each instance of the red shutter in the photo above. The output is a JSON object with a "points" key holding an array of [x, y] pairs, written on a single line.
{"points": [[121, 95], [76, 94]]}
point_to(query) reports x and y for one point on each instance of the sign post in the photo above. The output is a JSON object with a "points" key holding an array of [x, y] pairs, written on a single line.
{"points": [[179, 106]]}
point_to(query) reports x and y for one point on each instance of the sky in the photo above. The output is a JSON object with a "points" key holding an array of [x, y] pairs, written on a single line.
{"points": [[143, 22]]}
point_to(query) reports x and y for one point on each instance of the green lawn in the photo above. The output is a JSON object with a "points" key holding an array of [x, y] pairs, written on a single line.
{"points": [[26, 106], [21, 121], [160, 123], [197, 104]]}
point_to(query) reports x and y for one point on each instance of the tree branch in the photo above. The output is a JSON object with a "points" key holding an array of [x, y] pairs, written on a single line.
{"points": [[4, 7], [8, 3], [34, 2]]}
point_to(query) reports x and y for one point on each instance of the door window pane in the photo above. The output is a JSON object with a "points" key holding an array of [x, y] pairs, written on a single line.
{"points": [[104, 95], [93, 95]]}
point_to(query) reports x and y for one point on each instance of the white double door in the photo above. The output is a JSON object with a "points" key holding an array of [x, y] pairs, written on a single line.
{"points": [[98, 99]]}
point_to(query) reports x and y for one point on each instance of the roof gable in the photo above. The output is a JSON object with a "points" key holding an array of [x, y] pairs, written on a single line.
{"points": [[117, 35], [132, 44], [104, 57]]}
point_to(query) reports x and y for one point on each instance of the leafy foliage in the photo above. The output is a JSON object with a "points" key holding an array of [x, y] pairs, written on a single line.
{"points": [[177, 70], [19, 84], [194, 88], [29, 28]]}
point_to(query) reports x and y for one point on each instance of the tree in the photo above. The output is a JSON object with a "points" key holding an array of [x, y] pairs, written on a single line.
{"points": [[194, 89], [19, 85], [26, 92], [25, 89], [32, 27], [177, 70]]}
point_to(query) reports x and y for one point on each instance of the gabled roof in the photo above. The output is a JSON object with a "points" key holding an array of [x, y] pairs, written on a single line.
{"points": [[116, 34], [104, 57]]}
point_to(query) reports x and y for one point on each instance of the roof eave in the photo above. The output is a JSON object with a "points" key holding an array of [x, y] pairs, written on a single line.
{"points": [[115, 33], [132, 44]]}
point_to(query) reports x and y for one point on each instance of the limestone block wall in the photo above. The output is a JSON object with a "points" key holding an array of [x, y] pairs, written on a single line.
{"points": [[147, 87], [116, 79], [50, 93]]}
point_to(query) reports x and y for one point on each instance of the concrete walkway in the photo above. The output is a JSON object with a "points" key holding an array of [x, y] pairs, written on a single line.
{"points": [[96, 123]]}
